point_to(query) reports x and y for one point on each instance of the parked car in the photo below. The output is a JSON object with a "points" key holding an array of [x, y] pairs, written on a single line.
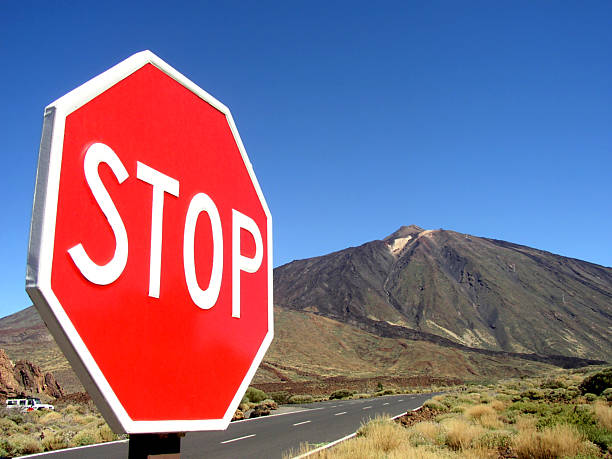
{"points": [[27, 404]]}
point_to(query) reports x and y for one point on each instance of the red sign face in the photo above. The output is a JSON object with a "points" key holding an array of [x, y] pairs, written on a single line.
{"points": [[153, 265]]}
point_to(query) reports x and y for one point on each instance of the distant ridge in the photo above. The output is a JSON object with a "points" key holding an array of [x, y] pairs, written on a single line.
{"points": [[476, 292]]}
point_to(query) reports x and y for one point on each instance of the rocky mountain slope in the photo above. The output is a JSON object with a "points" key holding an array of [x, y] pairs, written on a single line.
{"points": [[414, 307], [476, 292]]}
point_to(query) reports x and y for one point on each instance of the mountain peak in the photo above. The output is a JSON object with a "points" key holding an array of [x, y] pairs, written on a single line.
{"points": [[403, 232]]}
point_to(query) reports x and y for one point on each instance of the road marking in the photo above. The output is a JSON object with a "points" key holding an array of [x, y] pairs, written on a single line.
{"points": [[401, 400], [300, 423], [338, 414], [340, 440], [385, 404], [334, 406], [49, 453], [279, 414], [366, 407], [324, 447], [239, 438]]}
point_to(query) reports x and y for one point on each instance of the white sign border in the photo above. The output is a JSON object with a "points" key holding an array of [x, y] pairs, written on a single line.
{"points": [[42, 237]]}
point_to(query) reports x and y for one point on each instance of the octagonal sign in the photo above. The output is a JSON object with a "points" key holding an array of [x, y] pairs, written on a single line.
{"points": [[150, 256]]}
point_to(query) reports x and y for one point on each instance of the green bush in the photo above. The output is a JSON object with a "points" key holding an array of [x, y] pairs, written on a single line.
{"points": [[434, 405], [23, 444], [597, 383], [339, 394], [533, 394], [553, 384], [301, 399], [54, 440], [607, 394], [255, 395], [281, 397], [580, 416], [86, 437], [590, 397]]}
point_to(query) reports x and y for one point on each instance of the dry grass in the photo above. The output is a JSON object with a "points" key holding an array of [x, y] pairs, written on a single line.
{"points": [[526, 423], [379, 439], [603, 413], [50, 417], [556, 441], [499, 421], [427, 430], [478, 411], [498, 405], [20, 444], [491, 421], [480, 452], [460, 434], [383, 435]]}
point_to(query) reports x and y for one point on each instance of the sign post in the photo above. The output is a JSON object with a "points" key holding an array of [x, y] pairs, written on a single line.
{"points": [[150, 254]]}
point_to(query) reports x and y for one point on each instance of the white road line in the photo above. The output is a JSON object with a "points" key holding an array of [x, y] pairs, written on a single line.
{"points": [[338, 414], [239, 438], [280, 414], [401, 400], [329, 445], [300, 423], [334, 406], [385, 404], [48, 453], [366, 407]]}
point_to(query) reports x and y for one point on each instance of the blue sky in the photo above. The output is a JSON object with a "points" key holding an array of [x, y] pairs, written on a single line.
{"points": [[489, 118]]}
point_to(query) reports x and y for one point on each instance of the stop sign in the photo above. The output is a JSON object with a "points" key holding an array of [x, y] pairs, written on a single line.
{"points": [[150, 254]]}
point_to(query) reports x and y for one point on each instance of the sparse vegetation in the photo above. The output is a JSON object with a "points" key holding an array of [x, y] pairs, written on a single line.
{"points": [[301, 399], [38, 431], [340, 394], [254, 395], [547, 417], [596, 384]]}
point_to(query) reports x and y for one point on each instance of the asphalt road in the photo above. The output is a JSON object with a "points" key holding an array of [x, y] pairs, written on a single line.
{"points": [[271, 436]]}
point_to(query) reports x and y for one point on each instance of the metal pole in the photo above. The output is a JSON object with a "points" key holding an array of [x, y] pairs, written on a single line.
{"points": [[155, 446]]}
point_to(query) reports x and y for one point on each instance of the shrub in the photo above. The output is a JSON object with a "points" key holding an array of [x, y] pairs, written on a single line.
{"points": [[7, 426], [496, 439], [533, 394], [255, 395], [597, 383], [553, 384], [590, 397], [607, 394], [603, 413], [301, 399], [556, 441], [382, 434], [497, 405], [478, 411], [460, 434], [23, 444], [50, 417], [53, 441], [5, 448], [281, 397], [244, 406], [427, 429], [339, 394], [86, 437], [432, 404], [106, 434]]}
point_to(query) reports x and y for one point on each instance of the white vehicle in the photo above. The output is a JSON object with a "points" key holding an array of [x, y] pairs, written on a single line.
{"points": [[27, 404]]}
